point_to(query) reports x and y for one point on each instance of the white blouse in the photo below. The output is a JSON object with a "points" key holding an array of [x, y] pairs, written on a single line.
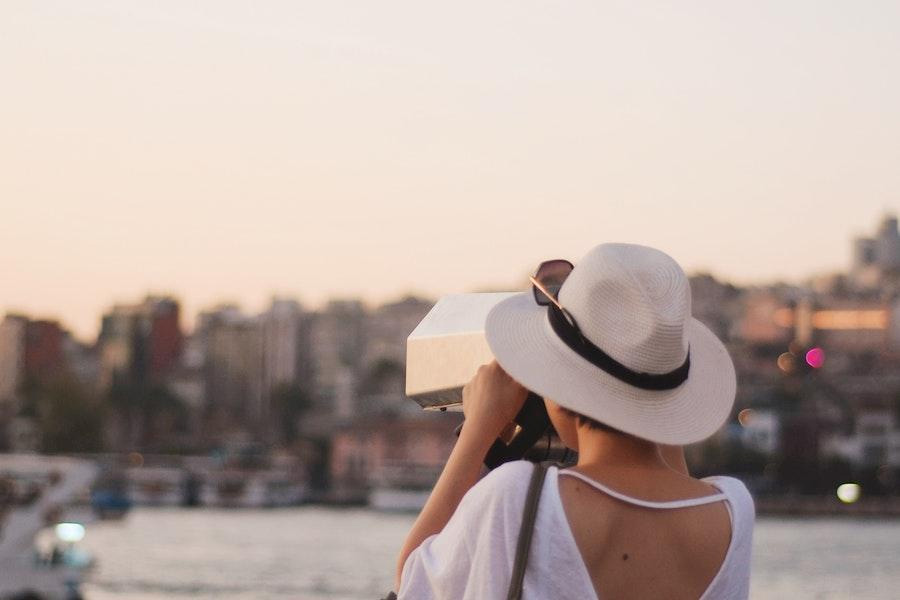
{"points": [[472, 557]]}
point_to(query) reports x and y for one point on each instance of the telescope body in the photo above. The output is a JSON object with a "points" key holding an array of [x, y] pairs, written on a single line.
{"points": [[446, 348]]}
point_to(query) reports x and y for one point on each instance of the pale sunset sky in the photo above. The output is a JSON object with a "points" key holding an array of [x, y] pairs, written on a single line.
{"points": [[227, 151]]}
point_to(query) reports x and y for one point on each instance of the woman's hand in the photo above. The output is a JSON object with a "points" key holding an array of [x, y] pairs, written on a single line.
{"points": [[491, 400]]}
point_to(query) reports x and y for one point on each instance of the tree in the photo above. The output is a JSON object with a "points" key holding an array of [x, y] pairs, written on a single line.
{"points": [[149, 416], [69, 417]]}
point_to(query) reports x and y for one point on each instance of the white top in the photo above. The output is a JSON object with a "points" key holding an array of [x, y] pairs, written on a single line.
{"points": [[472, 557]]}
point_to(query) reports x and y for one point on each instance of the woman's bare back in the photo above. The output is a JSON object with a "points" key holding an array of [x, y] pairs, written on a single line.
{"points": [[636, 552]]}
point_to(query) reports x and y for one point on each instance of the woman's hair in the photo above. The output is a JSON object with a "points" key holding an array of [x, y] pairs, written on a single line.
{"points": [[592, 423]]}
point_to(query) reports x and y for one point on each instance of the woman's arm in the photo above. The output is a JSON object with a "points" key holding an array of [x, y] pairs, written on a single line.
{"points": [[490, 401], [462, 471]]}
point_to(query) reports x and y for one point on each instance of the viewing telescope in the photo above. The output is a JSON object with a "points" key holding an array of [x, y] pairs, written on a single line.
{"points": [[443, 353]]}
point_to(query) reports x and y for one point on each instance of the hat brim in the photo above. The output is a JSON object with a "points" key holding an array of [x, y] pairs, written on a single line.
{"points": [[524, 344]]}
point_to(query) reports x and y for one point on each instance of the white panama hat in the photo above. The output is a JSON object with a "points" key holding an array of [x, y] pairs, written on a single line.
{"points": [[633, 303]]}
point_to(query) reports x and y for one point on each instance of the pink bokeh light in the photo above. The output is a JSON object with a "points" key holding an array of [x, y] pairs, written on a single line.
{"points": [[815, 358]]}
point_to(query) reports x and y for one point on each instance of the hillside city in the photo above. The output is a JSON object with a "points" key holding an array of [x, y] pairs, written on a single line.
{"points": [[818, 385]]}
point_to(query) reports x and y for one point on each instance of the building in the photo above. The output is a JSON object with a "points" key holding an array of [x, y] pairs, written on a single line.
{"points": [[760, 321], [12, 369], [407, 453], [140, 342], [715, 304], [30, 350], [44, 356], [117, 344], [873, 443], [389, 325], [287, 357], [382, 383], [187, 381], [82, 361], [165, 338], [233, 369], [33, 354], [877, 258], [338, 338]]}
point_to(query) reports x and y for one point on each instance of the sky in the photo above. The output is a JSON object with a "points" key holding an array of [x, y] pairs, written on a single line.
{"points": [[228, 151]]}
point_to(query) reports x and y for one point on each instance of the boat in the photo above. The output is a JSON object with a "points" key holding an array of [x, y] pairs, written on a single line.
{"points": [[42, 522], [157, 486], [250, 489]]}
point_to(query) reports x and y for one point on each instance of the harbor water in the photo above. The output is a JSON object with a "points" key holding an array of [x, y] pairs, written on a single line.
{"points": [[319, 553]]}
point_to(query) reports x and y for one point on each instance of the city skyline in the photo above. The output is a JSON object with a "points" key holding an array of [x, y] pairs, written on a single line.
{"points": [[188, 318], [226, 151], [86, 329]]}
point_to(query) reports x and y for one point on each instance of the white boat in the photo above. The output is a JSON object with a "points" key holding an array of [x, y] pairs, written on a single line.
{"points": [[250, 489], [34, 557]]}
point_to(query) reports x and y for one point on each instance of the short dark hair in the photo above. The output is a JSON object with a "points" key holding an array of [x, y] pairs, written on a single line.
{"points": [[592, 423]]}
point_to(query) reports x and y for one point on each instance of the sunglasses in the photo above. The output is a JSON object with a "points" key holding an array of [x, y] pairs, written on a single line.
{"points": [[545, 285], [547, 280]]}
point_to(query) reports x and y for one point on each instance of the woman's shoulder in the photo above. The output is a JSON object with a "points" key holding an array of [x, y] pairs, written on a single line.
{"points": [[511, 473], [737, 493], [730, 486], [504, 482], [489, 511], [502, 490]]}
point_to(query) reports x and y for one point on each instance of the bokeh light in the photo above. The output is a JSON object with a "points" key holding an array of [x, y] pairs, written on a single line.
{"points": [[786, 362], [848, 493], [70, 532], [136, 459], [745, 416], [815, 358]]}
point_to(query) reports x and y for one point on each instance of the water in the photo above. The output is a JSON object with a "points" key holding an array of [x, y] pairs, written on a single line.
{"points": [[314, 553]]}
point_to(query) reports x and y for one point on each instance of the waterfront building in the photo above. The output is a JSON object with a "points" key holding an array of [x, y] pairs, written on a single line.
{"points": [[855, 327], [187, 382], [389, 325], [390, 453], [43, 357], [140, 342], [37, 355], [760, 322], [12, 362], [877, 258], [12, 367], [233, 370], [338, 340], [165, 337], [82, 361], [716, 304], [116, 344], [383, 376], [287, 350], [873, 443]]}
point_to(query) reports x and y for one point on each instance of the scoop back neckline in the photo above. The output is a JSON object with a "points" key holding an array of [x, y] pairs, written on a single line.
{"points": [[718, 496], [586, 573]]}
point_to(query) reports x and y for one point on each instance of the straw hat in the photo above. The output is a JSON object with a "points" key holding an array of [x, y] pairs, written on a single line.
{"points": [[646, 367]]}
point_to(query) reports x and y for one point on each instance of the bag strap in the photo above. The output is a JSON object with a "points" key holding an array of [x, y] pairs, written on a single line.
{"points": [[525, 533]]}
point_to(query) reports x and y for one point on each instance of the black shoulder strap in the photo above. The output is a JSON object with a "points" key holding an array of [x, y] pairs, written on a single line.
{"points": [[525, 533]]}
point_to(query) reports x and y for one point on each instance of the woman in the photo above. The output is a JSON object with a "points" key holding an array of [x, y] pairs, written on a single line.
{"points": [[628, 376]]}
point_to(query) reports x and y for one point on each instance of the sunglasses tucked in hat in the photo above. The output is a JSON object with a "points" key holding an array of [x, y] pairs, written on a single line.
{"points": [[619, 345]]}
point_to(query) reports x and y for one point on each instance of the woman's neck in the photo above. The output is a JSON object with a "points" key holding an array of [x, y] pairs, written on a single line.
{"points": [[602, 448]]}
